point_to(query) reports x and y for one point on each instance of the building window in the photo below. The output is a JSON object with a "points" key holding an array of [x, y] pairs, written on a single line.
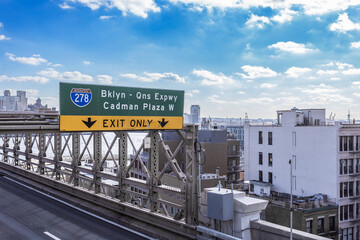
{"points": [[346, 212], [270, 177], [260, 158], [320, 225], [346, 143], [260, 137], [351, 143], [351, 166], [341, 190], [251, 187], [235, 148], [309, 224], [343, 166], [270, 157], [347, 233], [347, 189], [351, 189], [345, 186], [351, 211], [332, 223], [270, 138], [260, 176]]}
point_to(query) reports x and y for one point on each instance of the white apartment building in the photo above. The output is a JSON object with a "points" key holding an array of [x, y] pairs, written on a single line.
{"points": [[325, 158]]}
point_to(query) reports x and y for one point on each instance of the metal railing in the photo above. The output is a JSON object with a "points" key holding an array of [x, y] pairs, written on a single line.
{"points": [[77, 160]]}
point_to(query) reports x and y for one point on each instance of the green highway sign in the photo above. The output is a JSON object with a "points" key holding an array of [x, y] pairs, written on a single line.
{"points": [[85, 107]]}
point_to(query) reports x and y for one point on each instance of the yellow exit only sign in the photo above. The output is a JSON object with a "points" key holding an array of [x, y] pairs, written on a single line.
{"points": [[118, 123]]}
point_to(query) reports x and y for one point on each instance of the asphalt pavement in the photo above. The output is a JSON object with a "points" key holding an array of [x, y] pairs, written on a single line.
{"points": [[27, 214]]}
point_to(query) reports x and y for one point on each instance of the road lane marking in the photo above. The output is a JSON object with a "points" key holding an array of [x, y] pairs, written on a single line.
{"points": [[52, 236], [82, 210]]}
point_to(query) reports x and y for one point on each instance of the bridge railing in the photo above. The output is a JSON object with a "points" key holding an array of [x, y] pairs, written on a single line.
{"points": [[101, 164]]}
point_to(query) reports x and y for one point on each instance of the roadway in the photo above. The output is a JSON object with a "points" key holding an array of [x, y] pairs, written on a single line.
{"points": [[28, 214]]}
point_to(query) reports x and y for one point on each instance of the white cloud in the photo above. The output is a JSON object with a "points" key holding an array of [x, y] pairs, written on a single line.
{"points": [[105, 79], [342, 66], [241, 92], [263, 100], [28, 79], [3, 77], [292, 47], [1, 25], [288, 99], [56, 65], [211, 79], [34, 60], [32, 92], [330, 98], [344, 24], [137, 7], [327, 72], [257, 21], [296, 72], [317, 7], [65, 6], [355, 45], [268, 85], [356, 94], [215, 99], [87, 62], [129, 75], [153, 77], [191, 93], [286, 15], [3, 37], [319, 89], [66, 76], [164, 76], [106, 17], [352, 71], [257, 72]]}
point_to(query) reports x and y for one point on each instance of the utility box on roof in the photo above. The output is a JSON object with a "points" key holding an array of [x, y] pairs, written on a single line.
{"points": [[220, 204]]}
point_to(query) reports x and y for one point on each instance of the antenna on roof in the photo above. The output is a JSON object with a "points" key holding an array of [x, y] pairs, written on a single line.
{"points": [[348, 116]]}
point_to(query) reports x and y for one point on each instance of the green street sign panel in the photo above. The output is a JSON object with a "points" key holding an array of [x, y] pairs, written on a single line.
{"points": [[85, 107]]}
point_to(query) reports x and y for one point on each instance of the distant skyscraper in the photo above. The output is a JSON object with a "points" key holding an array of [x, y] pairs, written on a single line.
{"points": [[195, 114], [13, 103]]}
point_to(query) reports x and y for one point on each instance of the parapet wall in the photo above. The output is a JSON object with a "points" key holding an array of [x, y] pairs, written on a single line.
{"points": [[265, 230]]}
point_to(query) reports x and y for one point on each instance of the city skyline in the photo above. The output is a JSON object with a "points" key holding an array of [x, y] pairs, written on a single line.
{"points": [[229, 57]]}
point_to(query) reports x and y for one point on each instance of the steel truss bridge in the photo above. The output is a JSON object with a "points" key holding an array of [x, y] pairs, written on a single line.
{"points": [[32, 146]]}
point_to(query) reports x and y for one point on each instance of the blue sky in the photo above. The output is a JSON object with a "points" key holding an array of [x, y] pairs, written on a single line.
{"points": [[229, 56]]}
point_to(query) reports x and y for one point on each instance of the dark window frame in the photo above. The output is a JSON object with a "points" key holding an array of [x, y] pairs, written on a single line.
{"points": [[270, 177], [260, 137], [260, 158], [270, 138], [270, 159], [261, 177]]}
